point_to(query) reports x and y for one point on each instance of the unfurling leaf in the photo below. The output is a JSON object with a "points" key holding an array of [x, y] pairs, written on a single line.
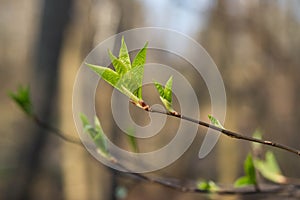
{"points": [[269, 168], [22, 98], [140, 58], [168, 90], [165, 94], [107, 74], [215, 122], [124, 55], [119, 66], [250, 174], [96, 133], [160, 89], [125, 75], [139, 61], [133, 81]]}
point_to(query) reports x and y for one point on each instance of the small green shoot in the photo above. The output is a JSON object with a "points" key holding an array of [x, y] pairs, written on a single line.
{"points": [[166, 94], [127, 77], [250, 174], [22, 98], [215, 122], [132, 140], [209, 186], [269, 168], [96, 133]]}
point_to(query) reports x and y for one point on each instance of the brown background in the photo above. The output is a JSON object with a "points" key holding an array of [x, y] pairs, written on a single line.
{"points": [[255, 45]]}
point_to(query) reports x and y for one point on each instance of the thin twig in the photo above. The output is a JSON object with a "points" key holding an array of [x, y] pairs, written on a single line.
{"points": [[266, 189], [227, 132], [56, 131]]}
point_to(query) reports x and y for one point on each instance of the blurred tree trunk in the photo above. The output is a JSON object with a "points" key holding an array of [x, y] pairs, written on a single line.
{"points": [[99, 20], [130, 16], [54, 20], [217, 39]]}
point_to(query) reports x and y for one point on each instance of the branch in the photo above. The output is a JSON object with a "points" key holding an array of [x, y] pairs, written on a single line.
{"points": [[55, 130], [174, 183], [226, 132]]}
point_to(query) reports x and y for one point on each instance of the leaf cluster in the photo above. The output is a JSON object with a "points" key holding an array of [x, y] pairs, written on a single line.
{"points": [[127, 77]]}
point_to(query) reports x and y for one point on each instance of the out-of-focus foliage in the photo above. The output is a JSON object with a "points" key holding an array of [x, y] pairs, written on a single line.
{"points": [[250, 174], [269, 168], [96, 133], [166, 94], [208, 186], [22, 98]]}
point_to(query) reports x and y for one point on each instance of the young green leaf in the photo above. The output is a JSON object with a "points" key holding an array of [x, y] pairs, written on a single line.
{"points": [[160, 89], [140, 58], [132, 140], [168, 90], [96, 134], [133, 81], [124, 55], [167, 104], [139, 61], [215, 122], [250, 174], [165, 93], [22, 98], [107, 74], [119, 66], [269, 168]]}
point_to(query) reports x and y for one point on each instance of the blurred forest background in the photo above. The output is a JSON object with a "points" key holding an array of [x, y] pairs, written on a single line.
{"points": [[255, 44]]}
